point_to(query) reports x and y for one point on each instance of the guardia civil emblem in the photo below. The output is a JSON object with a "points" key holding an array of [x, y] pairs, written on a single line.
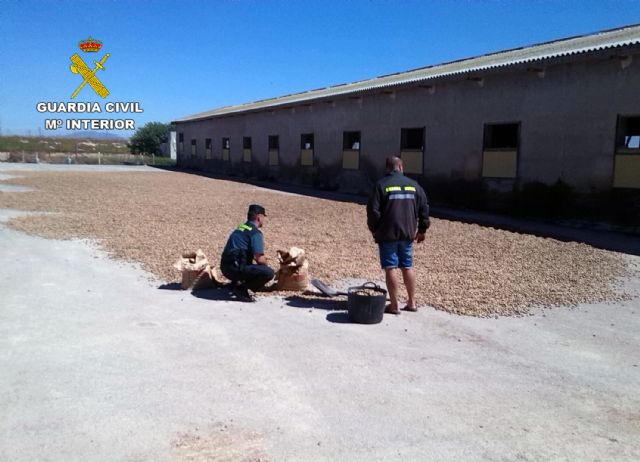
{"points": [[78, 66]]}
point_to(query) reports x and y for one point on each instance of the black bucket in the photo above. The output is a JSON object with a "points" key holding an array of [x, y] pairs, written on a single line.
{"points": [[366, 303]]}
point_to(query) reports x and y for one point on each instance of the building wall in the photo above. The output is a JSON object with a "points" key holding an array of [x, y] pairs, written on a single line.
{"points": [[567, 123]]}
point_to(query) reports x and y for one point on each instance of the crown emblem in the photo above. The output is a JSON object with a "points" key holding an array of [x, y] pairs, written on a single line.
{"points": [[90, 45]]}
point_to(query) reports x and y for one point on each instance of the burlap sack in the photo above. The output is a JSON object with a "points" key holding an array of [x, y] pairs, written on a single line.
{"points": [[196, 271], [294, 270], [206, 279], [293, 257]]}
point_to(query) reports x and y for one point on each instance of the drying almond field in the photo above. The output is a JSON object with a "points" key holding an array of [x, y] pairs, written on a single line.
{"points": [[152, 218]]}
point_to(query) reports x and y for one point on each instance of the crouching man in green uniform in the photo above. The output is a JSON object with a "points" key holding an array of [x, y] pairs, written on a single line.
{"points": [[244, 247]]}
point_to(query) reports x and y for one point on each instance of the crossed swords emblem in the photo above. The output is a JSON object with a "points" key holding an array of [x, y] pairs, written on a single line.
{"points": [[89, 75]]}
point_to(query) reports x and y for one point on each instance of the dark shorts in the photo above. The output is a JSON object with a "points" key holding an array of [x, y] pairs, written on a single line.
{"points": [[396, 254]]}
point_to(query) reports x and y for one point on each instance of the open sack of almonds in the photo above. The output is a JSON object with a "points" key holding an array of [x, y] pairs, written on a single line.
{"points": [[294, 270], [197, 273]]}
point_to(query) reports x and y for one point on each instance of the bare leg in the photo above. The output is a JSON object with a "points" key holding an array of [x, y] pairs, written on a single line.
{"points": [[409, 278], [391, 276]]}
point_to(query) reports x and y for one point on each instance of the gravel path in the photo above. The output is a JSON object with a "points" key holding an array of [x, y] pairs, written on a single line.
{"points": [[152, 218]]}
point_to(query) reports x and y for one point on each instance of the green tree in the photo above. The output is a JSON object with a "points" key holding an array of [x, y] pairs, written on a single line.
{"points": [[147, 139]]}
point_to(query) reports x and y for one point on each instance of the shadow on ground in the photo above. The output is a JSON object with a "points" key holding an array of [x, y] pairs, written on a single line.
{"points": [[304, 190], [340, 317], [337, 306], [218, 293], [321, 303], [611, 239], [223, 293]]}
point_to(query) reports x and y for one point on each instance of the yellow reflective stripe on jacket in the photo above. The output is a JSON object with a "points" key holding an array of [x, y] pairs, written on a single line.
{"points": [[392, 188], [244, 227], [410, 188]]}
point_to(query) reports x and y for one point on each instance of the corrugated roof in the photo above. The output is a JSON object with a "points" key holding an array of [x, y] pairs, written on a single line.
{"points": [[629, 35]]}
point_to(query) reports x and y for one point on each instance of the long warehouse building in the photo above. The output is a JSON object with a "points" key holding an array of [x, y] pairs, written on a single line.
{"points": [[566, 110]]}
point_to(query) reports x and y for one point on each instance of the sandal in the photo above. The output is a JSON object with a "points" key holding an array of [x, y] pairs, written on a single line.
{"points": [[388, 309], [413, 309]]}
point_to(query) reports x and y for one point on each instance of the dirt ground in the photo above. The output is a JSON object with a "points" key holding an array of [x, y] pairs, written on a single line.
{"points": [[152, 218], [102, 361]]}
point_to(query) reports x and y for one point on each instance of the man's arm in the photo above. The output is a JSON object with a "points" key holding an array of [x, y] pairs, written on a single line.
{"points": [[260, 259], [423, 214], [373, 210], [257, 244]]}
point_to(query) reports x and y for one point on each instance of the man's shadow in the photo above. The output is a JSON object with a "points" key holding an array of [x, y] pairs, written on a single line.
{"points": [[222, 292], [336, 306]]}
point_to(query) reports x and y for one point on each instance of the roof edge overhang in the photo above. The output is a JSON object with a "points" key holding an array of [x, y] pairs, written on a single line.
{"points": [[614, 38]]}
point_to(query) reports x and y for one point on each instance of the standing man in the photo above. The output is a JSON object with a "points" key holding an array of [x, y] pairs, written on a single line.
{"points": [[398, 214], [244, 246]]}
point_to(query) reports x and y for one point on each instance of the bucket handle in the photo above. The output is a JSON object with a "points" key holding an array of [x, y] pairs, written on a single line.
{"points": [[367, 285]]}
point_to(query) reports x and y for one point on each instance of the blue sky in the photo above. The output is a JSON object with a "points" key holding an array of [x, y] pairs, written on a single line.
{"points": [[182, 57]]}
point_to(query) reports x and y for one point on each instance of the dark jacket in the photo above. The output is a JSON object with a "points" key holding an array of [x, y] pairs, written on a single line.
{"points": [[243, 243], [397, 209]]}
